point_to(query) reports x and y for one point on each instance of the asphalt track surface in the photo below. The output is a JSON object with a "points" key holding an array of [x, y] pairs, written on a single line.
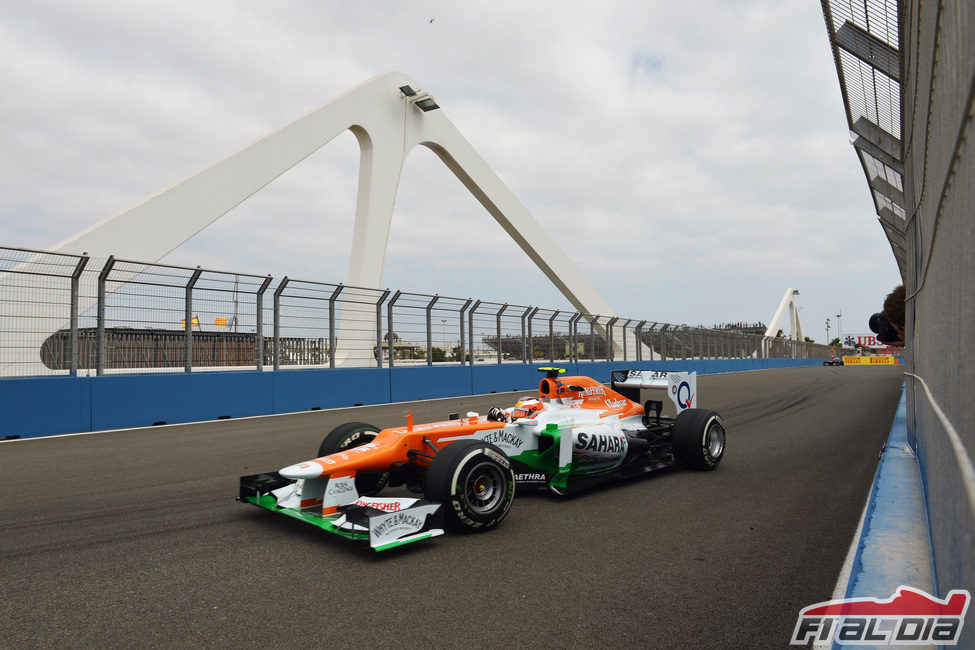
{"points": [[133, 538]]}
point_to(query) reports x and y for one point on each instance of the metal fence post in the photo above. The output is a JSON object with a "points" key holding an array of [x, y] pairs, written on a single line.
{"points": [[277, 321], [75, 283], [188, 320], [429, 311], [379, 328], [592, 336], [551, 335], [470, 326], [651, 332], [531, 336], [611, 339], [259, 299], [332, 338], [100, 336], [625, 325], [638, 334], [572, 340], [525, 343], [500, 312], [390, 334], [460, 316], [574, 335]]}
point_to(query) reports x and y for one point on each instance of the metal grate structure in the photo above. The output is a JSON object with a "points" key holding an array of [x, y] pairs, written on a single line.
{"points": [[865, 36]]}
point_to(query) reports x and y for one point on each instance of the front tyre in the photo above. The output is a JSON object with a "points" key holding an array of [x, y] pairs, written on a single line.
{"points": [[347, 436], [698, 438], [474, 481]]}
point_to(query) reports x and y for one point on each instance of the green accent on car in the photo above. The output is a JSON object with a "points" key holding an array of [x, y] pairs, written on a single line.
{"points": [[268, 502], [544, 461], [548, 461], [402, 542], [547, 368], [594, 467]]}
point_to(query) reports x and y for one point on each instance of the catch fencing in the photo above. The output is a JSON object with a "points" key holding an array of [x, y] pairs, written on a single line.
{"points": [[73, 314]]}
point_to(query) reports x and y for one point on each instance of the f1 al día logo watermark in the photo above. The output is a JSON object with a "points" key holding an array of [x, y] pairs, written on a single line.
{"points": [[909, 617]]}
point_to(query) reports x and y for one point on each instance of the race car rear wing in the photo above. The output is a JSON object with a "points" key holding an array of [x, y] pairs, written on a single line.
{"points": [[681, 387]]}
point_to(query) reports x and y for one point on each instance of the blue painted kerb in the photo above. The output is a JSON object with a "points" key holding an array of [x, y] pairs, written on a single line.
{"points": [[894, 547]]}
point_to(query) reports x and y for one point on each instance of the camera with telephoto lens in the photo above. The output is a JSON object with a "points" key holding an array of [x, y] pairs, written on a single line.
{"points": [[880, 325]]}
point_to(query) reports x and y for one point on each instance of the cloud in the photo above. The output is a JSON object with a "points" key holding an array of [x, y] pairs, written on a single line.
{"points": [[693, 168]]}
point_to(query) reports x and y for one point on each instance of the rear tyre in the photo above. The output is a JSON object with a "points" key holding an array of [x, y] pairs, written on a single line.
{"points": [[474, 481], [698, 438], [347, 436]]}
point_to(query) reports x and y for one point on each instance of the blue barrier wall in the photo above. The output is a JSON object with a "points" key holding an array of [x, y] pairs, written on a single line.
{"points": [[42, 406]]}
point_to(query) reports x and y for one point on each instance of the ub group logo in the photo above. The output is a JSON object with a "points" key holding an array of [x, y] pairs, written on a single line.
{"points": [[909, 617]]}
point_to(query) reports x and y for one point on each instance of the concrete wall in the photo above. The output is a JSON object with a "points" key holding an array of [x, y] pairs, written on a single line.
{"points": [[939, 189], [42, 406]]}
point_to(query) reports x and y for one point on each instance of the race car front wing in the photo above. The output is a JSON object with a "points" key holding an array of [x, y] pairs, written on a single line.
{"points": [[384, 522]]}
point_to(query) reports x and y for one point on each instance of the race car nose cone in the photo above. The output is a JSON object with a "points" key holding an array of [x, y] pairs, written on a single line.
{"points": [[302, 470]]}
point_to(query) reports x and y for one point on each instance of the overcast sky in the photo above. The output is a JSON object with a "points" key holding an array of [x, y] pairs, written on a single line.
{"points": [[691, 157]]}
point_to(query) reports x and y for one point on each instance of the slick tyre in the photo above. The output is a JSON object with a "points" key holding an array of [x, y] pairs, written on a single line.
{"points": [[474, 482], [347, 436], [698, 438]]}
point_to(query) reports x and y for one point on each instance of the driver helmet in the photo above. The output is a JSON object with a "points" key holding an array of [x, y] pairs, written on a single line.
{"points": [[527, 407]]}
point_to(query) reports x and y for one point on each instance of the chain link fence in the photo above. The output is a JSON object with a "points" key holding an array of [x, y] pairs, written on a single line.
{"points": [[71, 314]]}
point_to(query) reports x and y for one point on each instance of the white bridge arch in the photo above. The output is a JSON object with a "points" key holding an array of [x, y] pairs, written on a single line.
{"points": [[388, 122]]}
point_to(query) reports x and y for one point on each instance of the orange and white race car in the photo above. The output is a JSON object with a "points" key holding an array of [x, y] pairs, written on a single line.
{"points": [[574, 433]]}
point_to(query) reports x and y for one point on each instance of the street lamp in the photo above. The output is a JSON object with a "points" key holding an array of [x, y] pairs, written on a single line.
{"points": [[422, 100], [794, 321], [443, 323]]}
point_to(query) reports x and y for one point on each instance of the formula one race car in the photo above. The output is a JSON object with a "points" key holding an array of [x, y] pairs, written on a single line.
{"points": [[833, 361], [574, 434]]}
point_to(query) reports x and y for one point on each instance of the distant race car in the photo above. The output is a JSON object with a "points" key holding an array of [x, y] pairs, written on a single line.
{"points": [[574, 434], [833, 361]]}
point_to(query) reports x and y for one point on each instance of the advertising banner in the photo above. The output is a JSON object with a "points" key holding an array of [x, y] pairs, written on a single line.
{"points": [[885, 360]]}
